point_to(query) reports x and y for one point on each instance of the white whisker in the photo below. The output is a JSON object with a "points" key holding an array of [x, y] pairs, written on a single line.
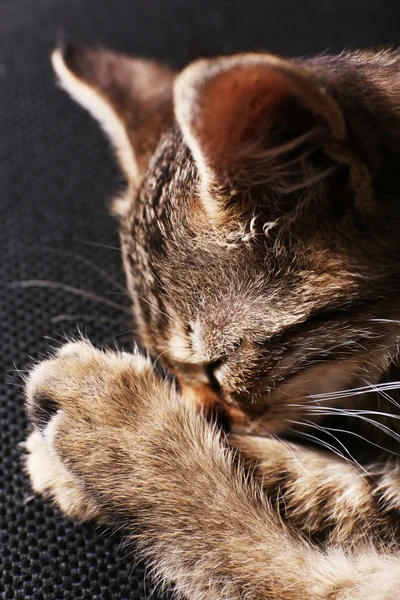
{"points": [[294, 456], [349, 412], [324, 430], [324, 444], [98, 245], [82, 259], [348, 431], [386, 386], [383, 394], [359, 414], [65, 287], [83, 317]]}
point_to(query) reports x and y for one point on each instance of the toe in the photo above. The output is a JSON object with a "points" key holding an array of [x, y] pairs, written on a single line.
{"points": [[78, 350], [41, 410]]}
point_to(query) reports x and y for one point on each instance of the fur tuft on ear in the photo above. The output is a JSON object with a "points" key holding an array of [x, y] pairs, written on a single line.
{"points": [[252, 119], [130, 98]]}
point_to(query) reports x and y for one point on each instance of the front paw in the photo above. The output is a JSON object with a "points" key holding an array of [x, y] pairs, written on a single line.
{"points": [[76, 393]]}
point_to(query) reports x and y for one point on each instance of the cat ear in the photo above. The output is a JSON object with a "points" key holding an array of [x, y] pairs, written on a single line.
{"points": [[251, 119], [130, 98]]}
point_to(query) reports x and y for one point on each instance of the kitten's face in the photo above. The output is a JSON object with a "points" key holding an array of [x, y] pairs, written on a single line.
{"points": [[260, 241]]}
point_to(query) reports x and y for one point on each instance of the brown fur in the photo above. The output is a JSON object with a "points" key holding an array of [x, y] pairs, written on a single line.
{"points": [[260, 243]]}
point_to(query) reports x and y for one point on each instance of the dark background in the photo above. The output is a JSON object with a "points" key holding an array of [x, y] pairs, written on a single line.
{"points": [[56, 177]]}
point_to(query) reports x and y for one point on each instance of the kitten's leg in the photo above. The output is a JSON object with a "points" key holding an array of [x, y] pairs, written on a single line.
{"points": [[150, 463], [328, 499]]}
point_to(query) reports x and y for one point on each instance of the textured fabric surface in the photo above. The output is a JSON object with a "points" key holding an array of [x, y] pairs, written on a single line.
{"points": [[56, 176]]}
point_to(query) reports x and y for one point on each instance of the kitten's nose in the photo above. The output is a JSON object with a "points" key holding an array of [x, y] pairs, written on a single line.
{"points": [[199, 395], [198, 385], [204, 398], [201, 389]]}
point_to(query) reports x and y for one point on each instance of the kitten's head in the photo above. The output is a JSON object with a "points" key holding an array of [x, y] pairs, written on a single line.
{"points": [[260, 223]]}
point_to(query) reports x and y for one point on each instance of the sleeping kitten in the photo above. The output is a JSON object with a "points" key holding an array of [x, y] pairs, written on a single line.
{"points": [[259, 231]]}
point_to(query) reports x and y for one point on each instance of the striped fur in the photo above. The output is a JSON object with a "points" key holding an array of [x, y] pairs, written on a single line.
{"points": [[259, 232]]}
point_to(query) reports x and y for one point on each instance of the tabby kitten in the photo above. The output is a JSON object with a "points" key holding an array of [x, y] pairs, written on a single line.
{"points": [[259, 231]]}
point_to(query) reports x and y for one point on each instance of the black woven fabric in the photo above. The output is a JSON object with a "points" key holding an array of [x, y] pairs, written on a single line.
{"points": [[56, 175]]}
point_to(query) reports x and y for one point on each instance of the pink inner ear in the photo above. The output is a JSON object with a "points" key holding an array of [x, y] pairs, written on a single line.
{"points": [[236, 106]]}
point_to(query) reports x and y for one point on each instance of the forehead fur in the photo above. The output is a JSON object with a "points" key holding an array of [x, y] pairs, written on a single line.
{"points": [[255, 280], [228, 284]]}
